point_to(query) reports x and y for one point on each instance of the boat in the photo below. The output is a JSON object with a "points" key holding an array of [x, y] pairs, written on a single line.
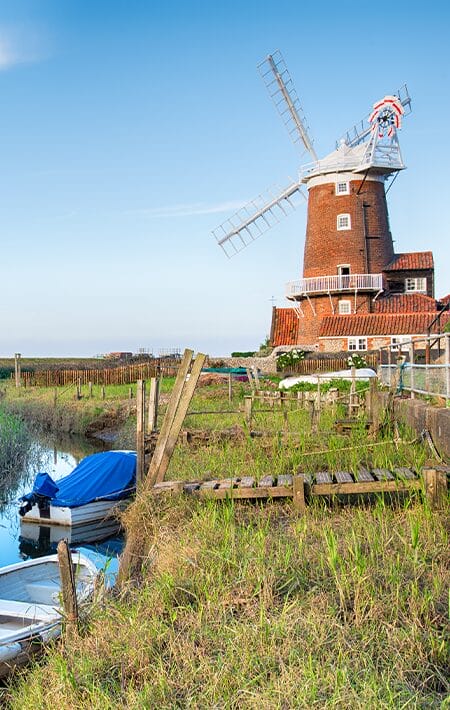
{"points": [[30, 611], [97, 489]]}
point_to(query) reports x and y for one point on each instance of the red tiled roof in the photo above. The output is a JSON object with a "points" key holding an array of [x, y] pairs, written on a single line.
{"points": [[445, 299], [284, 327], [379, 324], [405, 303], [411, 261]]}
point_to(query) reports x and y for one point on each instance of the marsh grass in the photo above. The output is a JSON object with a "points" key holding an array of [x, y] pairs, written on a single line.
{"points": [[249, 606]]}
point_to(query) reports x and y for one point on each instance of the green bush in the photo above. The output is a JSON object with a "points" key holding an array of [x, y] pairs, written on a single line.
{"points": [[289, 359], [248, 353]]}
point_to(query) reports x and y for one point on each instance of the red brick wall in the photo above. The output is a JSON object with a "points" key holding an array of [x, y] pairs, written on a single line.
{"points": [[309, 326], [367, 246]]}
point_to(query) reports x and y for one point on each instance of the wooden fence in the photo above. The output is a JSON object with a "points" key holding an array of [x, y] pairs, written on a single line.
{"points": [[312, 365], [122, 375]]}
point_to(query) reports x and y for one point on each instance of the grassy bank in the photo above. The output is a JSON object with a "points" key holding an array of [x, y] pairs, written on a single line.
{"points": [[252, 607]]}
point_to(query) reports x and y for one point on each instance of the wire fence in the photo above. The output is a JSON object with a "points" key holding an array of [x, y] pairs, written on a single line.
{"points": [[431, 377]]}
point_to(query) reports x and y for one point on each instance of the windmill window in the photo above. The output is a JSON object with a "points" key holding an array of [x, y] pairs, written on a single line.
{"points": [[357, 343], [342, 188], [343, 222], [416, 284], [345, 307]]}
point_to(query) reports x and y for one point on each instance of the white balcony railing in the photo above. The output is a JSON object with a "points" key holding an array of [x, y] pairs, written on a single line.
{"points": [[329, 284]]}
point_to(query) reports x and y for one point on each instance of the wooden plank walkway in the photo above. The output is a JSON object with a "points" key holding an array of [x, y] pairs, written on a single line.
{"points": [[322, 483]]}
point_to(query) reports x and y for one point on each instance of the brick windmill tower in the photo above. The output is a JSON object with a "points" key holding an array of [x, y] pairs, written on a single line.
{"points": [[349, 262]]}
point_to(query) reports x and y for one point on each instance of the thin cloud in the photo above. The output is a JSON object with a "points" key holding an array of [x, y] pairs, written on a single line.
{"points": [[19, 46], [190, 209]]}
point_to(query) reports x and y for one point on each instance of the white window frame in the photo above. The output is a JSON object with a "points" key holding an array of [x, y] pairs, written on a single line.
{"points": [[347, 303], [356, 344], [339, 268], [348, 224], [397, 342], [346, 190], [417, 284]]}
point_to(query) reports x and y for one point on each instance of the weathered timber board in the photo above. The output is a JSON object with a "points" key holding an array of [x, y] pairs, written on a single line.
{"points": [[383, 474], [209, 485], [228, 482], [343, 477], [266, 481], [284, 480], [323, 477], [246, 482], [322, 489], [363, 475], [259, 492], [403, 472]]}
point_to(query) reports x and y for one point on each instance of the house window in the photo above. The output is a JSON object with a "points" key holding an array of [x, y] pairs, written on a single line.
{"points": [[342, 188], [343, 269], [345, 307], [397, 342], [357, 343], [416, 284], [343, 222]]}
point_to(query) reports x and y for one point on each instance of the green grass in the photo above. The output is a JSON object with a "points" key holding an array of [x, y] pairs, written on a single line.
{"points": [[247, 605]]}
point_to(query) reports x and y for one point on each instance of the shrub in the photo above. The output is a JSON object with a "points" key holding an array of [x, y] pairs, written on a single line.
{"points": [[290, 358]]}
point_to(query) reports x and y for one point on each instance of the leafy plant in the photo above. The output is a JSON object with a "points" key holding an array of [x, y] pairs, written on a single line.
{"points": [[290, 358], [356, 360]]}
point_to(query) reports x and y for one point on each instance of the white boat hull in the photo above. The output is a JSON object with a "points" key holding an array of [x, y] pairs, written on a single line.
{"points": [[97, 511], [30, 613]]}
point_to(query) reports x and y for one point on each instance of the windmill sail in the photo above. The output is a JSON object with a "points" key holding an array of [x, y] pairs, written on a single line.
{"points": [[257, 217], [281, 89]]}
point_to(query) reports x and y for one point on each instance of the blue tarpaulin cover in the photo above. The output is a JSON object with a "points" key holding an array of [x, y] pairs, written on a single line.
{"points": [[110, 475]]}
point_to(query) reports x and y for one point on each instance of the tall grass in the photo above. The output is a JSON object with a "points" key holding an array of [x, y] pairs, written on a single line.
{"points": [[248, 606]]}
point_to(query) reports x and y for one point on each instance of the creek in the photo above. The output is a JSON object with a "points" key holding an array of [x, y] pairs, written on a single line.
{"points": [[56, 456]]}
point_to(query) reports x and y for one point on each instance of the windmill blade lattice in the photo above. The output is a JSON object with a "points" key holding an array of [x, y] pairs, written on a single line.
{"points": [[281, 89], [255, 218]]}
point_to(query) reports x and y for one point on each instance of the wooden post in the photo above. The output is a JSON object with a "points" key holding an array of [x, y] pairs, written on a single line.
{"points": [[447, 365], [90, 390], [435, 487], [79, 388], [255, 377], [103, 392], [284, 409], [153, 401], [130, 393], [318, 395], [55, 396], [230, 388], [248, 411], [140, 446], [411, 362], [352, 402], [250, 379], [298, 493], [68, 588], [370, 399], [17, 368]]}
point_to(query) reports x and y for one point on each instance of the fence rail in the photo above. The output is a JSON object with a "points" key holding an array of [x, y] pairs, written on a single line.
{"points": [[429, 378], [310, 366], [122, 375]]}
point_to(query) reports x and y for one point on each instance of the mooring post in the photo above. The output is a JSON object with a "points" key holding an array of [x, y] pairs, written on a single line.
{"points": [[435, 487], [17, 368], [248, 411], [68, 587], [153, 403], [140, 428], [447, 365], [298, 493]]}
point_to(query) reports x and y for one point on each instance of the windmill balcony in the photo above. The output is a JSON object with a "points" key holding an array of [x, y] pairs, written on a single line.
{"points": [[296, 290]]}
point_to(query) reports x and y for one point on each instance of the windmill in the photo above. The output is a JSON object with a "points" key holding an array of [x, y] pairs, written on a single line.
{"points": [[370, 146], [348, 242]]}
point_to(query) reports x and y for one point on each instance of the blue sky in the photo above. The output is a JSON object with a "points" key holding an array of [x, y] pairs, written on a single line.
{"points": [[129, 130]]}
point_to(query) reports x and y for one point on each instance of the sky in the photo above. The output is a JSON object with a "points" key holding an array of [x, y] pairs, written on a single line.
{"points": [[130, 129]]}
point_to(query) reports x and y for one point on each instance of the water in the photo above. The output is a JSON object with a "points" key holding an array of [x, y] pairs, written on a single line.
{"points": [[57, 457]]}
